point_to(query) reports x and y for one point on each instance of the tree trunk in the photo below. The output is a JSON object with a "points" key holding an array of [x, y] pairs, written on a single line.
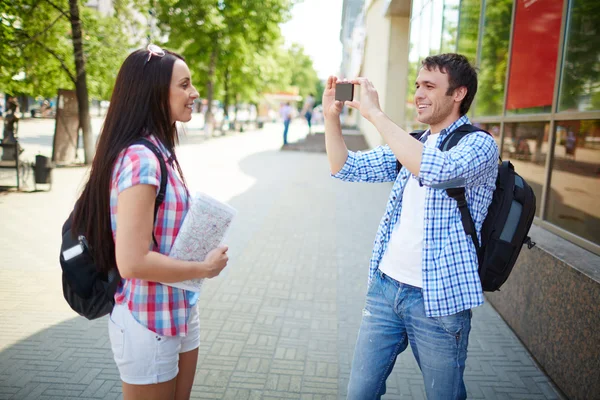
{"points": [[226, 87], [210, 87], [81, 83], [226, 101]]}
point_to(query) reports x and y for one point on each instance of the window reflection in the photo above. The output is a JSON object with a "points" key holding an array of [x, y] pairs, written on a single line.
{"points": [[436, 25], [468, 28], [526, 147], [494, 57], [410, 113], [580, 87], [575, 187], [494, 129], [450, 26]]}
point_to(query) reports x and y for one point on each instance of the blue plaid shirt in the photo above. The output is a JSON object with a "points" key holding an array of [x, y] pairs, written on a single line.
{"points": [[450, 268]]}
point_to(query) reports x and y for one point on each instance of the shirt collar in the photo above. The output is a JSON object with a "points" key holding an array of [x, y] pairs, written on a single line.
{"points": [[163, 149], [451, 128]]}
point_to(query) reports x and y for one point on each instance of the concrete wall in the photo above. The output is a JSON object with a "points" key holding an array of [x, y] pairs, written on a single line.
{"points": [[397, 69], [385, 64], [552, 302], [375, 64]]}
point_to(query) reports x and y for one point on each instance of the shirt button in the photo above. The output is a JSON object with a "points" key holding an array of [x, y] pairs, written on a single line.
{"points": [[387, 219], [394, 198]]}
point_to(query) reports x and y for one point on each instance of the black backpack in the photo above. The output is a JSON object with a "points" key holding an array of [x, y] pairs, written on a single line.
{"points": [[506, 226], [89, 292]]}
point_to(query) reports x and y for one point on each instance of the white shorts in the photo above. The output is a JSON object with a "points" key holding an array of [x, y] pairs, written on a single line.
{"points": [[143, 357]]}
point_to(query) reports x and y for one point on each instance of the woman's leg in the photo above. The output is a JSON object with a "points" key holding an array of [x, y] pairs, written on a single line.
{"points": [[158, 391], [187, 371]]}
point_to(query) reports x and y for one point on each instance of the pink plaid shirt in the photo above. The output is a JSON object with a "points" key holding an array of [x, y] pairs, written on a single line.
{"points": [[162, 309]]}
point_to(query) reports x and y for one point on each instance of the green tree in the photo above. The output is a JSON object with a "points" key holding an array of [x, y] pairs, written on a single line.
{"points": [[222, 40], [303, 74], [49, 44]]}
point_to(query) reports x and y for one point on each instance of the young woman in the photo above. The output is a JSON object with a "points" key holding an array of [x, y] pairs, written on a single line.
{"points": [[154, 328]]}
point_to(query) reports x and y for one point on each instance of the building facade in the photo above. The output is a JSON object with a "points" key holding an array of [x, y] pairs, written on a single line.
{"points": [[539, 96], [539, 88]]}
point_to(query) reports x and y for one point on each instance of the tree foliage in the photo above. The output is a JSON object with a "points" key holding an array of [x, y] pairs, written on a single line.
{"points": [[37, 49], [234, 47]]}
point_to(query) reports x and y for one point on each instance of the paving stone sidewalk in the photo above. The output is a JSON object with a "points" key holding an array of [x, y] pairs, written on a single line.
{"points": [[281, 321]]}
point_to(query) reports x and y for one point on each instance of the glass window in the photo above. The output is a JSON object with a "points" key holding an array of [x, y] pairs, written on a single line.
{"points": [[575, 184], [436, 26], [468, 28], [410, 114], [526, 147], [535, 22], [494, 57], [450, 26], [493, 128], [580, 80], [425, 39]]}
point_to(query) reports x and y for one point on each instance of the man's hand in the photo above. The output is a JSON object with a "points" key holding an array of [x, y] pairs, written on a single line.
{"points": [[369, 99], [331, 107]]}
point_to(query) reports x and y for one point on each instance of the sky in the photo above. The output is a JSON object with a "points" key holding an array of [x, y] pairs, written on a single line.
{"points": [[316, 24]]}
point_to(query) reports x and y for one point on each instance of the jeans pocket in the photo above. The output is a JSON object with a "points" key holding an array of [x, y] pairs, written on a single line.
{"points": [[455, 323], [116, 334]]}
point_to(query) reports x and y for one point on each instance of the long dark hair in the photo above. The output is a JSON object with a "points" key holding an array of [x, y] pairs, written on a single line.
{"points": [[139, 105]]}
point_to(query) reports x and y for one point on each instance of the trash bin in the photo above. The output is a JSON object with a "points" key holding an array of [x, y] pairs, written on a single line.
{"points": [[42, 170]]}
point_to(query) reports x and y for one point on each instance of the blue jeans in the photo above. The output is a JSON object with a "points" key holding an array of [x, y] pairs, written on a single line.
{"points": [[394, 316], [308, 117], [286, 127]]}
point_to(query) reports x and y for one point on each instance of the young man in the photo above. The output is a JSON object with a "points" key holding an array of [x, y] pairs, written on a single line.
{"points": [[423, 278]]}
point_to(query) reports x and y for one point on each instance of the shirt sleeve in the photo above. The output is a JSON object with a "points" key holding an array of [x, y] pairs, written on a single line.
{"points": [[139, 166], [377, 165], [474, 159]]}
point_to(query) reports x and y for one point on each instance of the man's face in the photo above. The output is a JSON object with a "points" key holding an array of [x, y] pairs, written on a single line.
{"points": [[432, 103]]}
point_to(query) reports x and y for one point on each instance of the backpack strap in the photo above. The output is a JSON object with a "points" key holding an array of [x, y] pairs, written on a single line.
{"points": [[417, 135], [458, 193], [160, 197]]}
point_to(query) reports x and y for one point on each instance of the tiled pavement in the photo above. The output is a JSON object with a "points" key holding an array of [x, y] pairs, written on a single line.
{"points": [[281, 321]]}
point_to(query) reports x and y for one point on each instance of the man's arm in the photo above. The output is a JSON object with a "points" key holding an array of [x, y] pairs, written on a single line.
{"points": [[406, 149], [337, 152], [471, 159]]}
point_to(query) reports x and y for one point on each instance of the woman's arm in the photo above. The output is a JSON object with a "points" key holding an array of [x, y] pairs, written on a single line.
{"points": [[135, 222]]}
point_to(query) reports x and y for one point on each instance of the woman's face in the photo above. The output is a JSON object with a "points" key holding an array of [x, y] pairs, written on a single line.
{"points": [[181, 93]]}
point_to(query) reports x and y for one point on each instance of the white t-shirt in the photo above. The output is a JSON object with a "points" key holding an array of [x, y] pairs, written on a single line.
{"points": [[403, 257]]}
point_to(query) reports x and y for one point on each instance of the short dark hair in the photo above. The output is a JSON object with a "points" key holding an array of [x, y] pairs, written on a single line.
{"points": [[460, 73]]}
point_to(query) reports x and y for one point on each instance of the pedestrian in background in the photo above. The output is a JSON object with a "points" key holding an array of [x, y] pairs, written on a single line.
{"points": [[286, 115], [154, 329], [307, 110]]}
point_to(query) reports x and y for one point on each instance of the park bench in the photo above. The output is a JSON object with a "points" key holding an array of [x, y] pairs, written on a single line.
{"points": [[11, 164]]}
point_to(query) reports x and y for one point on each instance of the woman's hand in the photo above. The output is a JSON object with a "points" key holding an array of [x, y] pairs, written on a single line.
{"points": [[215, 261]]}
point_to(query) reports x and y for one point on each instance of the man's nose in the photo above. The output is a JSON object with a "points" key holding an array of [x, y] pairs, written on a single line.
{"points": [[419, 94]]}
